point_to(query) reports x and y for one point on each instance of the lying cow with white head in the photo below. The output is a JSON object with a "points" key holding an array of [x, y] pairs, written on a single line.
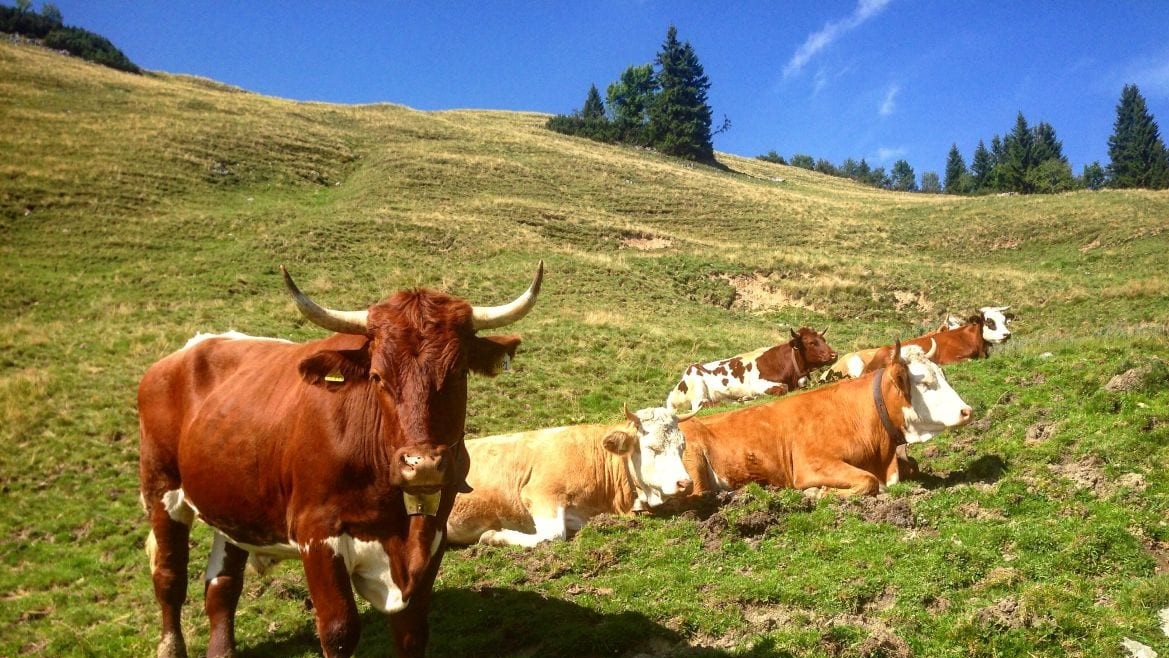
{"points": [[972, 340], [957, 340], [543, 485], [843, 436], [766, 371]]}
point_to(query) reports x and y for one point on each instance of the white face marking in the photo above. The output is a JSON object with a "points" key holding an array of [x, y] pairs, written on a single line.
{"points": [[369, 569], [994, 324], [657, 460], [936, 406]]}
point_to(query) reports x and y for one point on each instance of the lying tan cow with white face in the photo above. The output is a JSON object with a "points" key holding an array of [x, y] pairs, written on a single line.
{"points": [[544, 484], [835, 436]]}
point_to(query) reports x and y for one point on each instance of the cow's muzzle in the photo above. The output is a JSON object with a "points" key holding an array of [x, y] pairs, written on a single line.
{"points": [[422, 472]]}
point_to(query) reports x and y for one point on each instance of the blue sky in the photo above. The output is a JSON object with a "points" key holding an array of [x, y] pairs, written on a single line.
{"points": [[878, 79]]}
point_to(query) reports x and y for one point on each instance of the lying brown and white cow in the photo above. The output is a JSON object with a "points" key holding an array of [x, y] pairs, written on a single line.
{"points": [[972, 340], [842, 436], [990, 324], [766, 371], [542, 485]]}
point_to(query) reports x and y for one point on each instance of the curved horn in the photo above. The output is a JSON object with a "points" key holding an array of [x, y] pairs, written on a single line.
{"points": [[933, 349], [630, 416], [490, 317], [687, 416], [794, 334], [824, 333], [342, 322]]}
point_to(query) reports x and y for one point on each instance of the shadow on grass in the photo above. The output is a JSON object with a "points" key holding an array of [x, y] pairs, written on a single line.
{"points": [[494, 622], [987, 469]]}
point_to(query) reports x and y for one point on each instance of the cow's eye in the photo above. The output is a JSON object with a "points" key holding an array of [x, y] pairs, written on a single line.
{"points": [[990, 323]]}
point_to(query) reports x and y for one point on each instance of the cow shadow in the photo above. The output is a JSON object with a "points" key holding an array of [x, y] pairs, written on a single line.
{"points": [[987, 469], [496, 622]]}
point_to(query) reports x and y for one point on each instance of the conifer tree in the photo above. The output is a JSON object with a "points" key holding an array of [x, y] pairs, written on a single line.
{"points": [[1017, 157], [679, 118], [1046, 146], [955, 171], [1139, 157], [981, 166], [593, 108]]}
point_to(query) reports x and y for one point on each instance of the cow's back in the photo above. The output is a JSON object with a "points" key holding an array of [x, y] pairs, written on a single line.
{"points": [[175, 387]]}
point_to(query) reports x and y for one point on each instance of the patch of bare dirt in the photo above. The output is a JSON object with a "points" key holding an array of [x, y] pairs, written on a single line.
{"points": [[1085, 473], [1040, 432], [1133, 379], [757, 292], [977, 512], [906, 298], [1004, 614], [896, 512], [880, 640], [645, 242]]}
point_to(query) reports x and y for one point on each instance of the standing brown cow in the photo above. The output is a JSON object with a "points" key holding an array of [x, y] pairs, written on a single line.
{"points": [[344, 452]]}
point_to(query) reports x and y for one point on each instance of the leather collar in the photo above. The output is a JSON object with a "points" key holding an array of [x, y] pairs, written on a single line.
{"points": [[895, 433]]}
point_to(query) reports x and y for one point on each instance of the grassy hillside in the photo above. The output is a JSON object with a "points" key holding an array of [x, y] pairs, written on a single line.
{"points": [[138, 210]]}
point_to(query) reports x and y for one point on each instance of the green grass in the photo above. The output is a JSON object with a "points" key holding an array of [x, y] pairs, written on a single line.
{"points": [[138, 210]]}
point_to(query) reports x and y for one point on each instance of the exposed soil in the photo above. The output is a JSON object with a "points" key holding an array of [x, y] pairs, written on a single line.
{"points": [[756, 292], [643, 242], [896, 512]]}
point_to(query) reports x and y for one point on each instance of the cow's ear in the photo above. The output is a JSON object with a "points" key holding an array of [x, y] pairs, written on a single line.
{"points": [[619, 441], [331, 367], [489, 355]]}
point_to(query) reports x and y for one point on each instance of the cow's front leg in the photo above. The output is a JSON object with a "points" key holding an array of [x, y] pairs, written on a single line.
{"points": [[840, 477], [338, 624], [550, 525], [410, 627], [904, 466]]}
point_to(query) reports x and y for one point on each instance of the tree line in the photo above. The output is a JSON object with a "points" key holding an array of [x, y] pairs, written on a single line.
{"points": [[660, 105], [48, 27], [1027, 160]]}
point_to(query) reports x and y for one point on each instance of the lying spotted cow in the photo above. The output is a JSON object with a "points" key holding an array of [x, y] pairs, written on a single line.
{"points": [[545, 484], [766, 371], [843, 436]]}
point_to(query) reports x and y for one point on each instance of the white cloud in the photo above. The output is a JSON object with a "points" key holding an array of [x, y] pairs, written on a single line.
{"points": [[833, 30], [1151, 76], [890, 101], [887, 155]]}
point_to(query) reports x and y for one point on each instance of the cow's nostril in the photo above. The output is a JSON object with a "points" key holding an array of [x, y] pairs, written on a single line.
{"points": [[684, 485], [966, 413]]}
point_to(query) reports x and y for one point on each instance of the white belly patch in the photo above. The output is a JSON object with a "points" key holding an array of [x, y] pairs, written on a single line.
{"points": [[369, 569]]}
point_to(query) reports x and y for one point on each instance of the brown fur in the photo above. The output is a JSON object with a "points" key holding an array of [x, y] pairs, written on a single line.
{"points": [[827, 437], [270, 450]]}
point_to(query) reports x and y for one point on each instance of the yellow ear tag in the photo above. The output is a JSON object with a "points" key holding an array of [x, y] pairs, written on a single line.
{"points": [[335, 376]]}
